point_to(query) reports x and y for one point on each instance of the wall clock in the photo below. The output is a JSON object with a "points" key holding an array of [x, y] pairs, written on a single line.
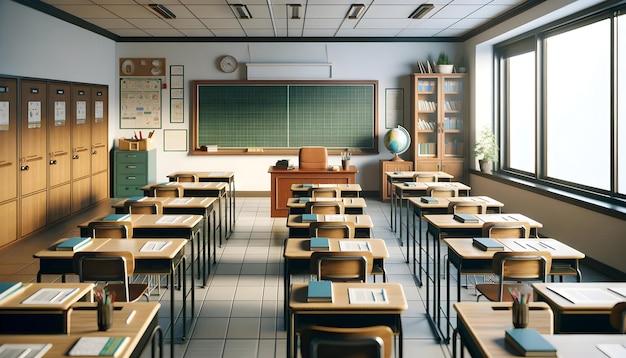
{"points": [[228, 64]]}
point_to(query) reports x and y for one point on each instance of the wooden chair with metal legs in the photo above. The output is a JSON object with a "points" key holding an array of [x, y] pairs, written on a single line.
{"points": [[337, 342], [168, 190], [442, 192], [111, 229], [186, 177], [422, 177], [342, 266], [506, 229], [143, 207], [618, 317], [324, 207], [517, 266], [332, 229], [324, 193], [115, 268], [467, 207]]}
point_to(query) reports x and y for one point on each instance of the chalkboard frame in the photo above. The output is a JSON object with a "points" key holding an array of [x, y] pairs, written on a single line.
{"points": [[195, 148]]}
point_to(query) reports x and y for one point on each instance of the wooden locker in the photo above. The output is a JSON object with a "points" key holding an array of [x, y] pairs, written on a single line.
{"points": [[100, 143], [81, 146], [33, 118], [8, 160]]}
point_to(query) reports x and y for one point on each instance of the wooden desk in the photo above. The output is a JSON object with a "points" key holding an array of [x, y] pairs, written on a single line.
{"points": [[440, 207], [581, 317], [444, 226], [297, 228], [354, 206], [140, 329], [297, 256], [283, 179], [341, 313], [164, 262], [347, 190], [204, 206], [218, 177], [402, 176], [468, 259]]}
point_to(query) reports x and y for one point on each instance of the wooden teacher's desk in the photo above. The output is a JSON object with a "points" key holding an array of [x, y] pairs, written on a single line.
{"points": [[298, 228], [283, 179], [342, 313], [352, 205]]}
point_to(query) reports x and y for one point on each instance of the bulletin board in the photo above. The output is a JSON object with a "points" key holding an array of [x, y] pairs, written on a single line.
{"points": [[140, 103]]}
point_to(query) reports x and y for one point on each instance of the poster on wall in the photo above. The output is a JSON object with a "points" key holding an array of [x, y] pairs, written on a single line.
{"points": [[140, 103]]}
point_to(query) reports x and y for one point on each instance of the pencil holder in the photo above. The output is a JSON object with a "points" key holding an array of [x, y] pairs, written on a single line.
{"points": [[520, 314], [345, 163], [105, 316]]}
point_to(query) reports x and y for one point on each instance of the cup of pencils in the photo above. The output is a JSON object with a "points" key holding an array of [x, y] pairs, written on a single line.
{"points": [[520, 308], [105, 299]]}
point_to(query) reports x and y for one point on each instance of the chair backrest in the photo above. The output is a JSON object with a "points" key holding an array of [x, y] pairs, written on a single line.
{"points": [[343, 266], [423, 177], [521, 266], [143, 207], [169, 190], [618, 317], [105, 266], [111, 229], [313, 158], [186, 177], [467, 207], [324, 207], [442, 191], [332, 229], [506, 229], [324, 192], [335, 342]]}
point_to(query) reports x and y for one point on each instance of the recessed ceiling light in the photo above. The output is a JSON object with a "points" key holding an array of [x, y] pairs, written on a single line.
{"points": [[421, 11], [162, 11], [356, 10]]}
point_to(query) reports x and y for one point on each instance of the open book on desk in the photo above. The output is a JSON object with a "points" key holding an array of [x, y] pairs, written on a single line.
{"points": [[354, 245], [49, 296], [24, 350], [154, 246], [367, 295], [99, 346]]}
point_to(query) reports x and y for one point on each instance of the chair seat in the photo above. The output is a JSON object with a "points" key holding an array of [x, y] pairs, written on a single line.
{"points": [[135, 291]]}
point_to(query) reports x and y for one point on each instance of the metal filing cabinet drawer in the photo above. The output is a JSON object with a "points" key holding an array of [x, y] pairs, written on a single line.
{"points": [[132, 170]]}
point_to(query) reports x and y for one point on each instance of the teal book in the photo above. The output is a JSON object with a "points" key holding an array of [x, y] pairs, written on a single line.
{"points": [[309, 217], [73, 243], [307, 185], [410, 183], [304, 199], [319, 244], [487, 244], [529, 343], [429, 200], [8, 288], [99, 346], [136, 198], [116, 217], [465, 218], [320, 291]]}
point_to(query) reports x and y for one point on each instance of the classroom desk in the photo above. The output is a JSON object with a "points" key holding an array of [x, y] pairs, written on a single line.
{"points": [[401, 177], [186, 226], [164, 262], [204, 206], [468, 259], [141, 329], [590, 313], [444, 226], [282, 179], [348, 190], [297, 255], [401, 192], [354, 206], [218, 177], [200, 189], [440, 207], [341, 313], [363, 224]]}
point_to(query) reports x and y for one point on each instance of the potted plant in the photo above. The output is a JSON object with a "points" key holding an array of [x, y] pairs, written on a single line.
{"points": [[462, 65], [443, 63], [486, 149]]}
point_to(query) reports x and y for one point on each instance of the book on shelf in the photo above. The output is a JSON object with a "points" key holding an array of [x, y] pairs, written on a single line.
{"points": [[154, 246], [73, 243], [319, 244], [116, 217], [50, 296], [99, 346], [24, 350], [309, 217], [465, 218], [9, 288], [320, 291], [529, 343], [429, 200], [487, 244]]}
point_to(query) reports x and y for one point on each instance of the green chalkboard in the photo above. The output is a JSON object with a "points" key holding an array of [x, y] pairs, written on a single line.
{"points": [[280, 116]]}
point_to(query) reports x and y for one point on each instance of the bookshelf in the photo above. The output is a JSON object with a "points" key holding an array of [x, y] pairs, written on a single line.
{"points": [[439, 127]]}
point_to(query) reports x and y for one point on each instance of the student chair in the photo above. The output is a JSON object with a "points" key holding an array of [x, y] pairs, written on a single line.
{"points": [[342, 266], [467, 207], [143, 207], [422, 177], [515, 266], [324, 193], [111, 229], [332, 229], [113, 267], [335, 342], [313, 158], [506, 229], [618, 317], [186, 177], [324, 207], [442, 191], [169, 190]]}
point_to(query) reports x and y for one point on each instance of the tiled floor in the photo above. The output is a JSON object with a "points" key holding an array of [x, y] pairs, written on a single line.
{"points": [[240, 313]]}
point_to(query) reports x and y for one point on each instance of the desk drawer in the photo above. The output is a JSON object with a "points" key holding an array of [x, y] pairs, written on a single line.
{"points": [[131, 156], [137, 180], [132, 168], [124, 191]]}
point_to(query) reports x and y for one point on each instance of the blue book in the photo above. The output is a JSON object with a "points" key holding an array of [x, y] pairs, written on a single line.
{"points": [[136, 198], [429, 200], [307, 185], [529, 343], [320, 291], [309, 217], [116, 217], [410, 183], [319, 244], [8, 288], [465, 218], [487, 244], [304, 199], [73, 243]]}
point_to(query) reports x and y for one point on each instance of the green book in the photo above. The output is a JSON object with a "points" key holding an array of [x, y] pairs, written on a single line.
{"points": [[309, 217], [98, 346], [136, 198], [320, 291], [465, 218], [319, 244], [304, 199], [529, 343], [73, 243], [487, 244], [116, 217], [8, 288]]}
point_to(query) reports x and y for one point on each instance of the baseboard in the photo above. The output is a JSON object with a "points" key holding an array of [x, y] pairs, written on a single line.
{"points": [[604, 269]]}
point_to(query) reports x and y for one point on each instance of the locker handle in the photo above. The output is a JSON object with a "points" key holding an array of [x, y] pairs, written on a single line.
{"points": [[53, 162], [58, 153], [131, 177], [5, 164], [33, 159], [131, 166], [24, 167]]}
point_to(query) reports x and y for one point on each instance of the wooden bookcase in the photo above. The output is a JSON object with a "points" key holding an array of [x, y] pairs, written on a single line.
{"points": [[391, 166], [439, 123]]}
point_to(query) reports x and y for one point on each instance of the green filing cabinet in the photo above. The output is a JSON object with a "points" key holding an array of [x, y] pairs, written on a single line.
{"points": [[133, 169]]}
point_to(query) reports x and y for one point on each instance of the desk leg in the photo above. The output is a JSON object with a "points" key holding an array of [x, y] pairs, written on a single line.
{"points": [[392, 200], [233, 203], [214, 237], [172, 308]]}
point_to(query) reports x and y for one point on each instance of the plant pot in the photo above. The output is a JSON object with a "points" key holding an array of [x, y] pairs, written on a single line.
{"points": [[462, 69], [485, 166], [444, 68]]}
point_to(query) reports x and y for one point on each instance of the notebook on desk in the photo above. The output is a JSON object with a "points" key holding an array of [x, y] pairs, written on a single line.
{"points": [[73, 243], [320, 291], [465, 218], [529, 343]]}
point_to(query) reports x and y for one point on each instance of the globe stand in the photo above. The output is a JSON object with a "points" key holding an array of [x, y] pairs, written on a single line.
{"points": [[396, 158]]}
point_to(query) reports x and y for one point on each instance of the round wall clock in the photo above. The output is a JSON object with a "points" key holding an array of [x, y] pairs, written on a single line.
{"points": [[228, 64]]}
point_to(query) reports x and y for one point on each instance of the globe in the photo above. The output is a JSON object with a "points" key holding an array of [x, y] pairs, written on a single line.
{"points": [[397, 141]]}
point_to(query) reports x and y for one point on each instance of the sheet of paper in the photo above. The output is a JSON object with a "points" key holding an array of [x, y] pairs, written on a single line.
{"points": [[334, 218], [49, 295], [353, 245], [613, 350], [168, 219], [180, 201], [154, 246], [367, 295], [582, 295]]}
